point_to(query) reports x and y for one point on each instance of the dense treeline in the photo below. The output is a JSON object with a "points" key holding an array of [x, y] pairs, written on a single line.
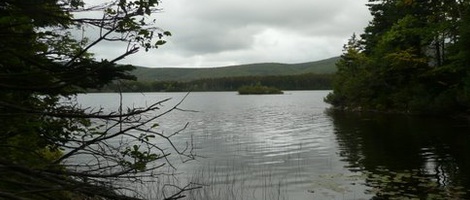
{"points": [[292, 82], [414, 57]]}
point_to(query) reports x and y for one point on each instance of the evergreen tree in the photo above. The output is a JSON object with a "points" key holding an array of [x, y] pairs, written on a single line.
{"points": [[411, 50]]}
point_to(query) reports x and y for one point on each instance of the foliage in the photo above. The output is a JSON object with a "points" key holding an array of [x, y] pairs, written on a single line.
{"points": [[410, 59], [258, 89], [44, 134]]}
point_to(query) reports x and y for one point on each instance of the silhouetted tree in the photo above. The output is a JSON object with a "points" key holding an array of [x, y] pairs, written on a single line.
{"points": [[45, 138]]}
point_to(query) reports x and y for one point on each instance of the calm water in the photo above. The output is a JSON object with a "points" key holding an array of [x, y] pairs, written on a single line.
{"points": [[292, 147]]}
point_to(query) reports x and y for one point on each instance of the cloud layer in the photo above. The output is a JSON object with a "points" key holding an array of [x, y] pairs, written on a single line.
{"points": [[210, 33]]}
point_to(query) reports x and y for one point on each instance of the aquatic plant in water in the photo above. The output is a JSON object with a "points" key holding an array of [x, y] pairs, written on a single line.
{"points": [[383, 183], [411, 184]]}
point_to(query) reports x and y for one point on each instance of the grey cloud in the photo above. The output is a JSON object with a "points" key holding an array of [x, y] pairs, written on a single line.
{"points": [[219, 21], [204, 38], [294, 14], [222, 32]]}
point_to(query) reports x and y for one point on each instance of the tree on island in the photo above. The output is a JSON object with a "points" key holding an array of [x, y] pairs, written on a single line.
{"points": [[44, 133], [413, 58], [258, 89]]}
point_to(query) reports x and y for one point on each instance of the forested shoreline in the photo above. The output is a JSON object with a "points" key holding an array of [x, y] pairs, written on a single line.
{"points": [[414, 57], [308, 81]]}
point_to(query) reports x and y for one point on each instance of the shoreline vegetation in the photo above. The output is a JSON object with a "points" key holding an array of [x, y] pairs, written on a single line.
{"points": [[258, 89], [405, 63]]}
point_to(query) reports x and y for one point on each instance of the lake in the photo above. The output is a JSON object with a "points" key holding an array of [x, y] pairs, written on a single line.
{"points": [[292, 146]]}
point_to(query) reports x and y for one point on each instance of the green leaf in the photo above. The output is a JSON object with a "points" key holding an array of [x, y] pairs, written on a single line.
{"points": [[160, 42], [167, 33]]}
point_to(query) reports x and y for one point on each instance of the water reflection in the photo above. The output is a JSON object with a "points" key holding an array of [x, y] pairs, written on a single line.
{"points": [[288, 147], [406, 157]]}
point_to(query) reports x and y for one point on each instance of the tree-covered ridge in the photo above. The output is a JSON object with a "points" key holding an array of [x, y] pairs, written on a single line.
{"points": [[326, 66], [292, 82], [413, 57]]}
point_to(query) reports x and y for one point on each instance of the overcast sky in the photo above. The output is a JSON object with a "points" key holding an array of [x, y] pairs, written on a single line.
{"points": [[212, 33]]}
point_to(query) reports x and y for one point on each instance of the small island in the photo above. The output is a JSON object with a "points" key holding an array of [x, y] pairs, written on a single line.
{"points": [[258, 89]]}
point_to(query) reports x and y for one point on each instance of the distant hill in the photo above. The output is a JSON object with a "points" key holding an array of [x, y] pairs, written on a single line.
{"points": [[326, 66]]}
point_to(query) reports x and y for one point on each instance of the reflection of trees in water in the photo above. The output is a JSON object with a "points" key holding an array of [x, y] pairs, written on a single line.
{"points": [[402, 156]]}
